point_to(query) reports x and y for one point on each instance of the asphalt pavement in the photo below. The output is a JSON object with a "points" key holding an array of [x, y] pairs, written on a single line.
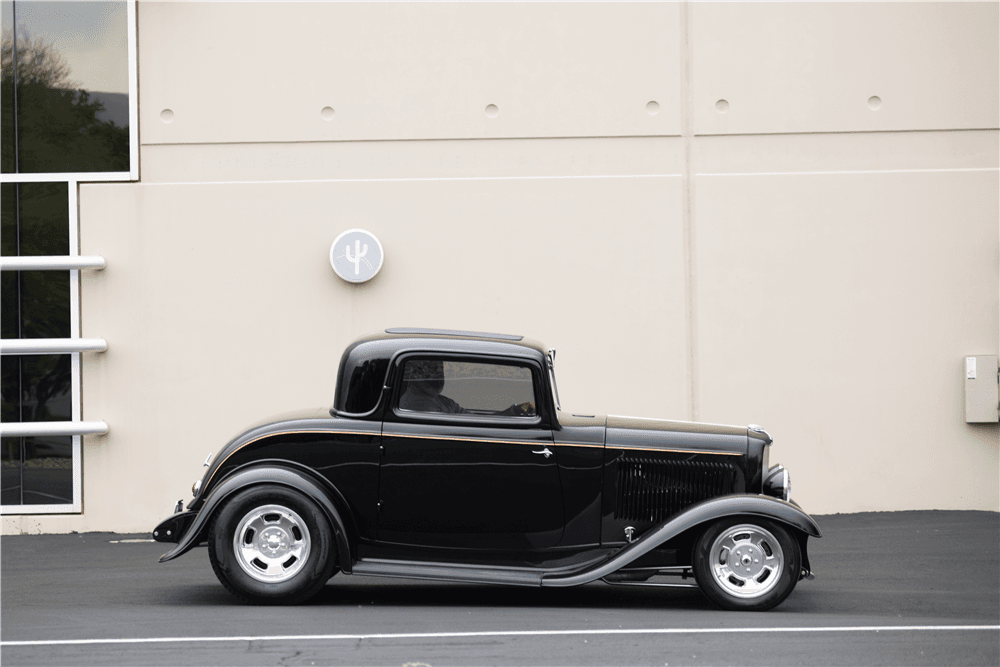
{"points": [[900, 588]]}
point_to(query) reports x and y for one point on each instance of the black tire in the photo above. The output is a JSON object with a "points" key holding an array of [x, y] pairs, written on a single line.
{"points": [[746, 563], [271, 545]]}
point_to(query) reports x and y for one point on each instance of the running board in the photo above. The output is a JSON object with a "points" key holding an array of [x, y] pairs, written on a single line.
{"points": [[642, 577], [657, 584], [482, 574], [448, 572]]}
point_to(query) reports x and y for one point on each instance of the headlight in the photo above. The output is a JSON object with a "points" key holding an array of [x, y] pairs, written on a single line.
{"points": [[778, 483], [195, 488]]}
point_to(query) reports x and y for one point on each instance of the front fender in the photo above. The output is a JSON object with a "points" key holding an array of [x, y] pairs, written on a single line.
{"points": [[709, 510], [272, 474]]}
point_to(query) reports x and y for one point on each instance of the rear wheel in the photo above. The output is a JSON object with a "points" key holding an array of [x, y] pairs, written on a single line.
{"points": [[271, 545], [748, 564]]}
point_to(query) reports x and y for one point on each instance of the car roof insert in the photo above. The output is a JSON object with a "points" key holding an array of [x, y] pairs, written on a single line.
{"points": [[451, 332]]}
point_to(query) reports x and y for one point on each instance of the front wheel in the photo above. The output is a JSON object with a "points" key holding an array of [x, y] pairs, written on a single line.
{"points": [[747, 564], [272, 545]]}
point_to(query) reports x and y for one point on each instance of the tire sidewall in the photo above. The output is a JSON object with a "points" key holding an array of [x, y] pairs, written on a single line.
{"points": [[307, 582], [789, 576]]}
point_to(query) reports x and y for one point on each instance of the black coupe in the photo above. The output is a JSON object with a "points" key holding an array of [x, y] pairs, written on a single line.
{"points": [[447, 456]]}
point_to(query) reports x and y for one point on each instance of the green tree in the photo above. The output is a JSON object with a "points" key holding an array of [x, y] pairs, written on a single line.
{"points": [[57, 125]]}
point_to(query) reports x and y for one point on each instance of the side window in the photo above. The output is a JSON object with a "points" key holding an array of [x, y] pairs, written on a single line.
{"points": [[462, 387]]}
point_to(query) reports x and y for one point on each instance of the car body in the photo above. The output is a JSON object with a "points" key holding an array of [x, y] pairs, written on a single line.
{"points": [[446, 456]]}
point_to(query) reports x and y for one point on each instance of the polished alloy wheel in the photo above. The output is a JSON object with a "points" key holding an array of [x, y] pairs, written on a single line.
{"points": [[271, 543], [746, 561]]}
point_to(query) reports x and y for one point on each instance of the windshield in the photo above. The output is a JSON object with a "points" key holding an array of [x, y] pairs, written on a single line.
{"points": [[551, 363]]}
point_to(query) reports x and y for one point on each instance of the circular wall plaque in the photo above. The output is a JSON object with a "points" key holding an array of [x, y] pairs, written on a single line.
{"points": [[356, 256]]}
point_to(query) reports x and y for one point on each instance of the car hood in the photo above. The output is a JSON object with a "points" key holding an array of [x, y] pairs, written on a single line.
{"points": [[640, 433]]}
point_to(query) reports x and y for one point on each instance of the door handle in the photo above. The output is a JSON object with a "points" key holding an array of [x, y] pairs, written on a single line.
{"points": [[545, 452]]}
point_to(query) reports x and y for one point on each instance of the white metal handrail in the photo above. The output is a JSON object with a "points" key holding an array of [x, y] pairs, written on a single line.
{"points": [[52, 345], [52, 263], [30, 429]]}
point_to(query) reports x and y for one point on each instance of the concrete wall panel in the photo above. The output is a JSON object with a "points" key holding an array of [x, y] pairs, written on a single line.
{"points": [[812, 67], [835, 310], [406, 71]]}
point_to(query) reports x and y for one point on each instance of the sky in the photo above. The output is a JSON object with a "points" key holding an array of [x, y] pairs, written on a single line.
{"points": [[91, 36]]}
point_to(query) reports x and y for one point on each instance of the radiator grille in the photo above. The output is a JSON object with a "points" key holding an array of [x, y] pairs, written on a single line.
{"points": [[653, 489]]}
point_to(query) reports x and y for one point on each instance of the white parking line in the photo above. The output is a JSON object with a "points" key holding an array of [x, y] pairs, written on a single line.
{"points": [[128, 541], [509, 633]]}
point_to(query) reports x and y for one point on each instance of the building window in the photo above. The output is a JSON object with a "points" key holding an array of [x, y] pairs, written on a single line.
{"points": [[69, 115], [66, 87], [36, 304]]}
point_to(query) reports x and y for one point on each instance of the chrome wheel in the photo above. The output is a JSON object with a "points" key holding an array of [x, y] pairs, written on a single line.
{"points": [[746, 561], [271, 543]]}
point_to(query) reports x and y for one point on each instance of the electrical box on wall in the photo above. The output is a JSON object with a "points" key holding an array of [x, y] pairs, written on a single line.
{"points": [[982, 390]]}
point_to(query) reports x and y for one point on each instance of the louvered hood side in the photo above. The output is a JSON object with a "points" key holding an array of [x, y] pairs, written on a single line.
{"points": [[655, 469]]}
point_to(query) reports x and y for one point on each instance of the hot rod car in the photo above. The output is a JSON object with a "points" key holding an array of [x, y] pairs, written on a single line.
{"points": [[446, 456]]}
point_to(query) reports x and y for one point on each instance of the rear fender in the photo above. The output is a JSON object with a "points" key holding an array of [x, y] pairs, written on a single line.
{"points": [[707, 511], [271, 474]]}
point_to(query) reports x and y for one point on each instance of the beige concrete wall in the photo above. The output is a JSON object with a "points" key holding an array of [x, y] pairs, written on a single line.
{"points": [[250, 72], [798, 260], [812, 67]]}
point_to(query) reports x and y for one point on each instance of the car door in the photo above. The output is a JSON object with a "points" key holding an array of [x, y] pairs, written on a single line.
{"points": [[467, 459]]}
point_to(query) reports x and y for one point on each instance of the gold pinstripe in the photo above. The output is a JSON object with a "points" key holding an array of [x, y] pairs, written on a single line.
{"points": [[676, 451], [533, 443], [559, 444]]}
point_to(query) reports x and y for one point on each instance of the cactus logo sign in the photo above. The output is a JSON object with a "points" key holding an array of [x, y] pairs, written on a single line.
{"points": [[356, 256]]}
